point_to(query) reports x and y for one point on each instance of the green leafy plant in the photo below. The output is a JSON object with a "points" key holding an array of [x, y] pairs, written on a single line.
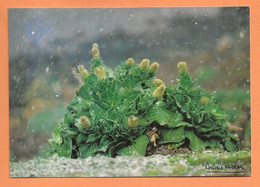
{"points": [[127, 111]]}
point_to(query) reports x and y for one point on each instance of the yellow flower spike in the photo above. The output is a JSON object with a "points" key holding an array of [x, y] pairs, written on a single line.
{"points": [[159, 91], [204, 100], [144, 64], [132, 121], [83, 72], [84, 122], [182, 66], [100, 72], [154, 67], [95, 51], [80, 67], [130, 61], [158, 82]]}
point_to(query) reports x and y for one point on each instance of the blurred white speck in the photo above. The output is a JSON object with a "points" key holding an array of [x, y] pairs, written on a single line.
{"points": [[195, 23], [57, 95], [33, 32], [241, 34], [47, 69], [101, 29], [131, 16]]}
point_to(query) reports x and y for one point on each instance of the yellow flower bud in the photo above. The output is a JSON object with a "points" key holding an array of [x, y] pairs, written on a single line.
{"points": [[158, 82], [132, 121], [130, 61], [84, 121], [100, 72], [182, 66], [144, 64], [95, 51], [204, 100], [159, 91], [80, 67], [154, 67], [83, 72]]}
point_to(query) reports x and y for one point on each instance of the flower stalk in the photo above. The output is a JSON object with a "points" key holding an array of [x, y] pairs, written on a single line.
{"points": [[100, 72], [83, 72], [84, 122], [95, 51], [158, 82], [182, 66], [130, 61], [144, 64], [132, 121], [154, 67], [204, 100], [159, 91]]}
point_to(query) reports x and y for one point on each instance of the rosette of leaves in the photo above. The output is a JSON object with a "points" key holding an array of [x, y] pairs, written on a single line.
{"points": [[107, 100]]}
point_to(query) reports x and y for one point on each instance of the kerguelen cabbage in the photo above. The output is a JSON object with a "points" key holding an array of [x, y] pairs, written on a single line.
{"points": [[114, 112]]}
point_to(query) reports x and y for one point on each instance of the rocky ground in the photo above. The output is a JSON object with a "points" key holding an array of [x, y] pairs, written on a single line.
{"points": [[182, 163]]}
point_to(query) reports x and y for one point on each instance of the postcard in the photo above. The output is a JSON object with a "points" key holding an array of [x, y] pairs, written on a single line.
{"points": [[129, 92]]}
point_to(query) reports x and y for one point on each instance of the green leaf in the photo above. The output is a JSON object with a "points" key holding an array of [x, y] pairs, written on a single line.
{"points": [[69, 118], [96, 111], [92, 138], [176, 145], [185, 80], [145, 102], [195, 142], [86, 150], [182, 101], [218, 113], [82, 112], [77, 104], [81, 138], [165, 117], [136, 149], [56, 136], [64, 149], [230, 142], [95, 62], [172, 135], [104, 143], [159, 114]]}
